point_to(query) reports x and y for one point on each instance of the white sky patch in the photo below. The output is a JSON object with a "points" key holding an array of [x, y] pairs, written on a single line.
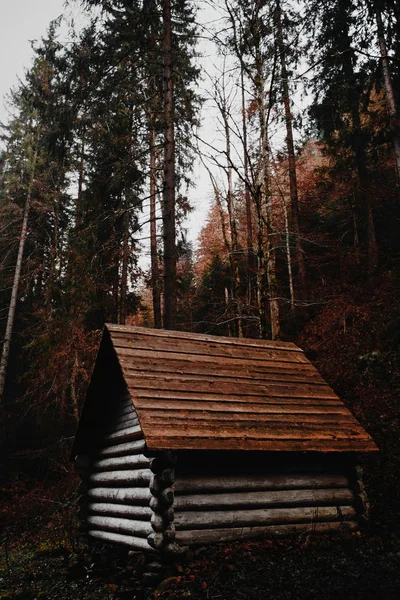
{"points": [[23, 21]]}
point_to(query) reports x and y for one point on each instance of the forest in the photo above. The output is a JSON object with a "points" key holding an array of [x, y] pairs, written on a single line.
{"points": [[289, 114]]}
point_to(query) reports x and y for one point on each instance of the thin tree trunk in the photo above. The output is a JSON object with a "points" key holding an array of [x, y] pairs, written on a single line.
{"points": [[78, 208], [115, 292], [233, 261], [124, 269], [247, 196], [170, 299], [155, 271], [288, 256], [294, 200], [17, 276], [261, 284], [265, 195], [390, 97], [74, 397]]}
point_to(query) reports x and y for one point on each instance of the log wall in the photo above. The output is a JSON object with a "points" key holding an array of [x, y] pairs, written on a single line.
{"points": [[219, 508], [117, 481], [127, 496]]}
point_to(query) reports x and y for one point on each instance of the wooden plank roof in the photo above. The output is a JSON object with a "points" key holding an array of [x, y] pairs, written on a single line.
{"points": [[194, 391]]}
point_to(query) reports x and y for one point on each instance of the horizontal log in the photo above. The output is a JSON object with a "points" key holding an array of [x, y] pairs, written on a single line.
{"points": [[160, 540], [124, 510], [169, 532], [157, 540], [137, 477], [162, 501], [126, 540], [331, 496], [257, 482], [160, 522], [119, 525], [125, 402], [130, 413], [137, 461], [135, 447], [126, 435], [126, 409], [124, 424], [161, 480], [137, 496], [201, 536], [273, 516]]}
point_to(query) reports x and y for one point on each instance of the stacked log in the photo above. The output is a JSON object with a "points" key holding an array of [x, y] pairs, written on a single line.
{"points": [[162, 502], [218, 508], [118, 481]]}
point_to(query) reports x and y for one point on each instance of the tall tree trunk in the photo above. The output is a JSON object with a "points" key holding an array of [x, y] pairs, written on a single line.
{"points": [[74, 396], [234, 246], [294, 200], [260, 281], [123, 311], [170, 299], [288, 256], [78, 207], [155, 271], [17, 276], [247, 196], [264, 187], [359, 150], [390, 97]]}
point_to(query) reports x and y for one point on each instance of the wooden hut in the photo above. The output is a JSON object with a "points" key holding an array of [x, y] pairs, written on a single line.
{"points": [[189, 439]]}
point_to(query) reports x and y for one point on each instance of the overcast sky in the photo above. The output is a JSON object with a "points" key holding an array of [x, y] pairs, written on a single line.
{"points": [[21, 22]]}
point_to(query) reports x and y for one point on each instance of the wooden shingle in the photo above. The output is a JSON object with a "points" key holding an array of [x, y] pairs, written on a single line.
{"points": [[201, 392]]}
